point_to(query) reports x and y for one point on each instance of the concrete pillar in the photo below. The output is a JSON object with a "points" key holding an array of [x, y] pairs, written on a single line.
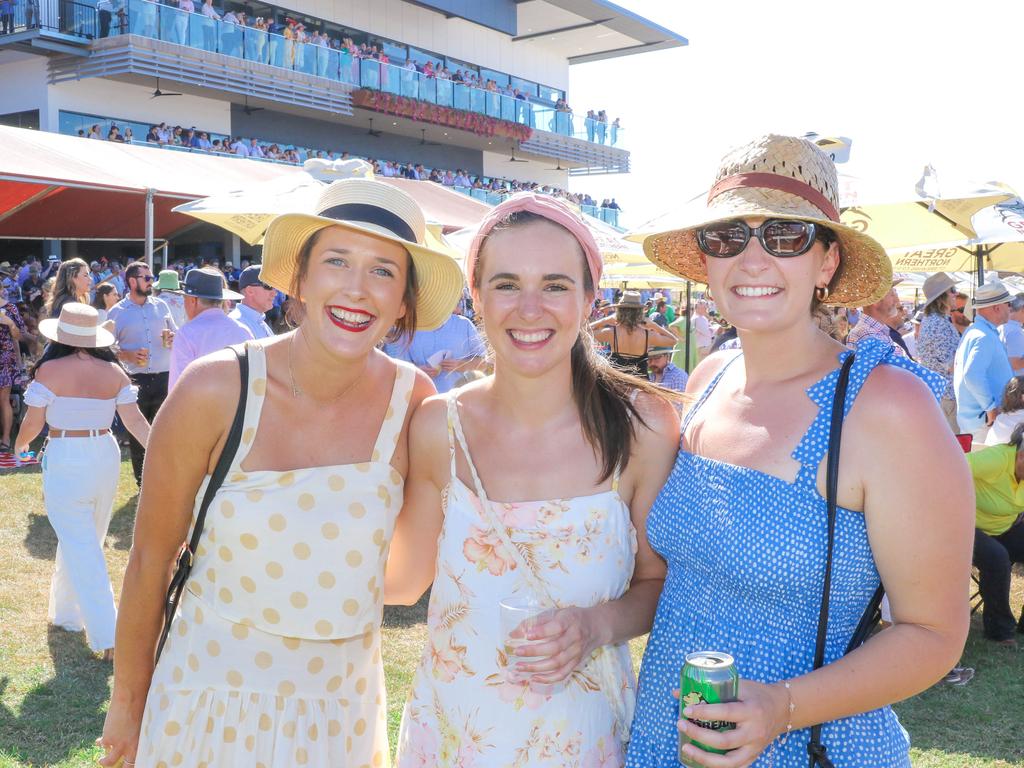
{"points": [[53, 246], [234, 250]]}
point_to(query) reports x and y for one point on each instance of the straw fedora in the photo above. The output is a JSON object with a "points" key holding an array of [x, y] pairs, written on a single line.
{"points": [[374, 208], [991, 293], [779, 177], [935, 286], [77, 326]]}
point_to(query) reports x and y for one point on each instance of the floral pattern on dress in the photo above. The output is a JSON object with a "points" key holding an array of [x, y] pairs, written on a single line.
{"points": [[466, 707]]}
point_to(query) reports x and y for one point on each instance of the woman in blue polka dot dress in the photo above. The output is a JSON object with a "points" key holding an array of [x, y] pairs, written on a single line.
{"points": [[742, 520]]}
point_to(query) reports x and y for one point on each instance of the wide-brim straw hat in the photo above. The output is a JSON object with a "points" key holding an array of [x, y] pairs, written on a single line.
{"points": [[373, 208], [77, 326], [780, 177]]}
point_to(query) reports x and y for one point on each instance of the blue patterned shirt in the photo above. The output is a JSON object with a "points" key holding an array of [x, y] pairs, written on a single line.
{"points": [[936, 348], [672, 378]]}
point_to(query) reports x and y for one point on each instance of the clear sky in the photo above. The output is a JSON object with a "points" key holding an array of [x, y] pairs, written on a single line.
{"points": [[911, 82]]}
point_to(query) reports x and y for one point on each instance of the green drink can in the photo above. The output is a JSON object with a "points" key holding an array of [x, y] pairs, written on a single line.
{"points": [[707, 677]]}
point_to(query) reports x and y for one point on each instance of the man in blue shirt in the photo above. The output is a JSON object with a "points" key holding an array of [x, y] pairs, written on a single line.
{"points": [[1012, 334], [446, 355], [981, 367], [258, 298], [662, 372]]}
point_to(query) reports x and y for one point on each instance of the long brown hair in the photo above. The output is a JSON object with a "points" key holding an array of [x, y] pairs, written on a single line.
{"points": [[64, 286], [604, 395]]}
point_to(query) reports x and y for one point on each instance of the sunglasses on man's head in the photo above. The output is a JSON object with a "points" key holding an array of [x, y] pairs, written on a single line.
{"points": [[783, 238]]}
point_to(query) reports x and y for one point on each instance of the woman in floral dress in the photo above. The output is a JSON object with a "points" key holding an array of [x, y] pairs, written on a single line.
{"points": [[577, 452], [11, 328]]}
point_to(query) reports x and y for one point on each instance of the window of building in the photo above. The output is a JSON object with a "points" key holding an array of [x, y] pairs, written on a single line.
{"points": [[27, 119], [499, 77], [526, 87]]}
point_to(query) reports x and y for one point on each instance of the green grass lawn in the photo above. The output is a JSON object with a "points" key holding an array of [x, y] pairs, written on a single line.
{"points": [[54, 691]]}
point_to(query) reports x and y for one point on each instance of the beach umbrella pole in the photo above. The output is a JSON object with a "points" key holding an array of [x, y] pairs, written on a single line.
{"points": [[686, 336], [149, 228], [980, 253]]}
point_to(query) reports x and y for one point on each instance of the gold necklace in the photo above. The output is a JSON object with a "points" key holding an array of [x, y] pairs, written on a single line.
{"points": [[297, 391]]}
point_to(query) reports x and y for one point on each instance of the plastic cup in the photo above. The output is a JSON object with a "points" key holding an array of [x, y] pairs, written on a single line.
{"points": [[144, 357], [166, 338], [518, 616]]}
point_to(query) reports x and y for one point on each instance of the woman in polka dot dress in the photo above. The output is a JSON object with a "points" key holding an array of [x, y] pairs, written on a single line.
{"points": [[568, 533], [742, 520], [274, 656]]}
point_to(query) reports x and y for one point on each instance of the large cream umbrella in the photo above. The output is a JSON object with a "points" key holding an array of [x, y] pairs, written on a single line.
{"points": [[947, 228], [247, 212]]}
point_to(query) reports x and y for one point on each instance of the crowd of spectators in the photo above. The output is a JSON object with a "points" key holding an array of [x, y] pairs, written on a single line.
{"points": [[164, 135]]}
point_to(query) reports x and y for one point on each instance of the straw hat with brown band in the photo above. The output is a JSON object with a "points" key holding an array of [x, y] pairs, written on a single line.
{"points": [[374, 208], [780, 177], [77, 326]]}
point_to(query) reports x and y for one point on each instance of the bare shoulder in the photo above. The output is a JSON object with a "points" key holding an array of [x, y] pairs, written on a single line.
{"points": [[660, 418], [422, 388], [706, 370], [893, 395]]}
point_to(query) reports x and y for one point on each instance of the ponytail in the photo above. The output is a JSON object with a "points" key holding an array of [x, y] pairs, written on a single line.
{"points": [[1017, 437]]}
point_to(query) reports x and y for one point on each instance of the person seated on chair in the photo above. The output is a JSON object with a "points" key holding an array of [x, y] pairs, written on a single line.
{"points": [[1011, 412], [999, 533]]}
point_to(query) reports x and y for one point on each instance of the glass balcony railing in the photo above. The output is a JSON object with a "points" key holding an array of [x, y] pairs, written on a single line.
{"points": [[490, 197], [162, 22]]}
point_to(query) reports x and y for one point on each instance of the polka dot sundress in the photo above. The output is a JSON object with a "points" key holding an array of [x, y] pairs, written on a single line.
{"points": [[274, 657], [746, 561]]}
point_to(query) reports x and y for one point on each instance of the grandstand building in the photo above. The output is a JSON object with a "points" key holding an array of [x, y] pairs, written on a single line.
{"points": [[476, 85]]}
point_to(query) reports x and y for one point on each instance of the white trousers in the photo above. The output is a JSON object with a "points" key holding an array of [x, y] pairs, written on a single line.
{"points": [[79, 484]]}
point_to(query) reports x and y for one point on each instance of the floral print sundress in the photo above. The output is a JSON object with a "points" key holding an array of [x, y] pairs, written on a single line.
{"points": [[464, 709]]}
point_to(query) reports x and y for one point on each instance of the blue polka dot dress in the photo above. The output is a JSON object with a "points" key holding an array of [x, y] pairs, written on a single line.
{"points": [[746, 562]]}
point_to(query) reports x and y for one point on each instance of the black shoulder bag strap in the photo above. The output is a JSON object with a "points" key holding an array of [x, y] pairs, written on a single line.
{"points": [[227, 456], [815, 749]]}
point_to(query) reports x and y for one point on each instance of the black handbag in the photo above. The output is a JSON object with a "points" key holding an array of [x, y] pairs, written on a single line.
{"points": [[227, 456], [818, 753]]}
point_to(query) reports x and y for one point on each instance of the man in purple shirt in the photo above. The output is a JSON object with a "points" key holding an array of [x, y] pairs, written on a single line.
{"points": [[208, 328]]}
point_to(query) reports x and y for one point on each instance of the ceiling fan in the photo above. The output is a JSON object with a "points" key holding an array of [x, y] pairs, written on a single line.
{"points": [[158, 92], [513, 158], [372, 132], [558, 167], [249, 110], [425, 143]]}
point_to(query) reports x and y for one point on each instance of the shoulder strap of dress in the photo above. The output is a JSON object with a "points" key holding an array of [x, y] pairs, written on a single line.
{"points": [[394, 417], [537, 584], [256, 393], [453, 414], [707, 392]]}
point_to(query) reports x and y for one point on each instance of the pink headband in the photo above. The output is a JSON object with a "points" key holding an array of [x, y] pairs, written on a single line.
{"points": [[547, 207]]}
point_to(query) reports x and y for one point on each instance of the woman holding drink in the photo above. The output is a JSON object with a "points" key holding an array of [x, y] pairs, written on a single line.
{"points": [[742, 521], [583, 451], [274, 655]]}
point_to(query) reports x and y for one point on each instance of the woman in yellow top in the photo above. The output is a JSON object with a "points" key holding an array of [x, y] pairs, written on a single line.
{"points": [[999, 533]]}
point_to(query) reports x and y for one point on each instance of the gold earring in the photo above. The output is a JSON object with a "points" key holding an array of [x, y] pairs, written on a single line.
{"points": [[821, 293]]}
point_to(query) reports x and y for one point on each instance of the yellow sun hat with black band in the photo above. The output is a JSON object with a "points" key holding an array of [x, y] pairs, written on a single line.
{"points": [[373, 208], [779, 177]]}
